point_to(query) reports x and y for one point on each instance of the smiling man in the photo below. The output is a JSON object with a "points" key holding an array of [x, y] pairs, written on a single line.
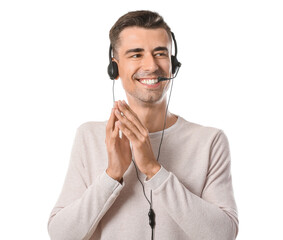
{"points": [[112, 181], [142, 55]]}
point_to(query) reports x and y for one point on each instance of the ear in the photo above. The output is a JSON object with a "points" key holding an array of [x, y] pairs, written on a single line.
{"points": [[116, 65]]}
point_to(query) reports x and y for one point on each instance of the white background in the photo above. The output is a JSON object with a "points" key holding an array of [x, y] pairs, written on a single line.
{"points": [[53, 59]]}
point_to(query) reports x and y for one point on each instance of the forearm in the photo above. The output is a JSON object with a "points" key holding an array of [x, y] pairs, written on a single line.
{"points": [[79, 219]]}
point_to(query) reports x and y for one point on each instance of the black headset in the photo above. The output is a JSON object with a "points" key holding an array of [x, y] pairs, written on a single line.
{"points": [[113, 71]]}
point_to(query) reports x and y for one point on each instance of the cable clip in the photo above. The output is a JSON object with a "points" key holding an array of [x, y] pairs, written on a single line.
{"points": [[151, 216]]}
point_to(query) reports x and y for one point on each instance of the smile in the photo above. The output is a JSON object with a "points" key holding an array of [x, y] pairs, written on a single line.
{"points": [[151, 83]]}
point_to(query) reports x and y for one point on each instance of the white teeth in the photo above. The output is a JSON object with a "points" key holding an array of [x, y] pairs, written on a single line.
{"points": [[149, 81]]}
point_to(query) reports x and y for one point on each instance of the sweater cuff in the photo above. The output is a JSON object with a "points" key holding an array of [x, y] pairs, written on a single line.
{"points": [[157, 179], [110, 183]]}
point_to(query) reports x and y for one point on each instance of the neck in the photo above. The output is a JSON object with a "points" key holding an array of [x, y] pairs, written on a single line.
{"points": [[152, 115]]}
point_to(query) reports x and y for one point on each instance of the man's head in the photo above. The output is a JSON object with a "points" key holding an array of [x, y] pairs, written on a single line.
{"points": [[141, 43], [143, 19]]}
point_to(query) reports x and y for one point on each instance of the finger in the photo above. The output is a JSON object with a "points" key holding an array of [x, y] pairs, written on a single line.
{"points": [[129, 134], [128, 124], [124, 138], [126, 108], [110, 123], [132, 116], [115, 133]]}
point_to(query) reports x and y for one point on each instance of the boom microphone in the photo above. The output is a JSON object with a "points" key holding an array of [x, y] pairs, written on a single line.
{"points": [[165, 78]]}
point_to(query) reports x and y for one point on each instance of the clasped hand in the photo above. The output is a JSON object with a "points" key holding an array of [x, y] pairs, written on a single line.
{"points": [[119, 151]]}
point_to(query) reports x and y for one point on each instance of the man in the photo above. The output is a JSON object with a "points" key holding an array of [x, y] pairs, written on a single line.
{"points": [[189, 186]]}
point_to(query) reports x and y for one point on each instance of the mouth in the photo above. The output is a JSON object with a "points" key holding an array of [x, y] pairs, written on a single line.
{"points": [[149, 82]]}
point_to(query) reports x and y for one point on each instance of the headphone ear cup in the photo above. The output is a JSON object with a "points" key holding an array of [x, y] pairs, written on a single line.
{"points": [[175, 64], [113, 70]]}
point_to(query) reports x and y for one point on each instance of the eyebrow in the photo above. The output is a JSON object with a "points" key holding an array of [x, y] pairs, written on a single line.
{"points": [[160, 49], [135, 50]]}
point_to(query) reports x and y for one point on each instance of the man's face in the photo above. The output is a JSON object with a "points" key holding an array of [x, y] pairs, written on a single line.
{"points": [[144, 54]]}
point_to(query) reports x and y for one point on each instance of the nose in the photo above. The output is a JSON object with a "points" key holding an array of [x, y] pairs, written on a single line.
{"points": [[149, 63]]}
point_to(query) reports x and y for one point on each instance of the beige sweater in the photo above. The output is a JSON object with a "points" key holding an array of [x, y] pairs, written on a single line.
{"points": [[192, 192]]}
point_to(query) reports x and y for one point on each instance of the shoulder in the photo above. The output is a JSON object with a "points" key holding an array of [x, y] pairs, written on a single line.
{"points": [[211, 138], [200, 131], [90, 127]]}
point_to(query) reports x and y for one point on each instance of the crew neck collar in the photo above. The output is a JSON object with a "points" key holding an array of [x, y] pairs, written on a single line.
{"points": [[167, 130]]}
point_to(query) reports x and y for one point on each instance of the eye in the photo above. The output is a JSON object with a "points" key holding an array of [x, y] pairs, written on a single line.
{"points": [[136, 55], [161, 54]]}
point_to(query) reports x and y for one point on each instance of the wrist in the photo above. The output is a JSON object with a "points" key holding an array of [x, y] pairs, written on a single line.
{"points": [[152, 170], [115, 176]]}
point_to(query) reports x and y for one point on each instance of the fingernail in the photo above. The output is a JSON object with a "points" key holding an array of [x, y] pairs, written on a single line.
{"points": [[120, 103], [124, 102]]}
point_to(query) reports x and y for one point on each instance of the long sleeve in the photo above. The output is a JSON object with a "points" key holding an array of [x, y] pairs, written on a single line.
{"points": [[80, 207], [213, 214]]}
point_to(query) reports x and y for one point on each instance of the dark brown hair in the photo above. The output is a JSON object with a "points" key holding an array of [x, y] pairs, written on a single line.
{"points": [[144, 19]]}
